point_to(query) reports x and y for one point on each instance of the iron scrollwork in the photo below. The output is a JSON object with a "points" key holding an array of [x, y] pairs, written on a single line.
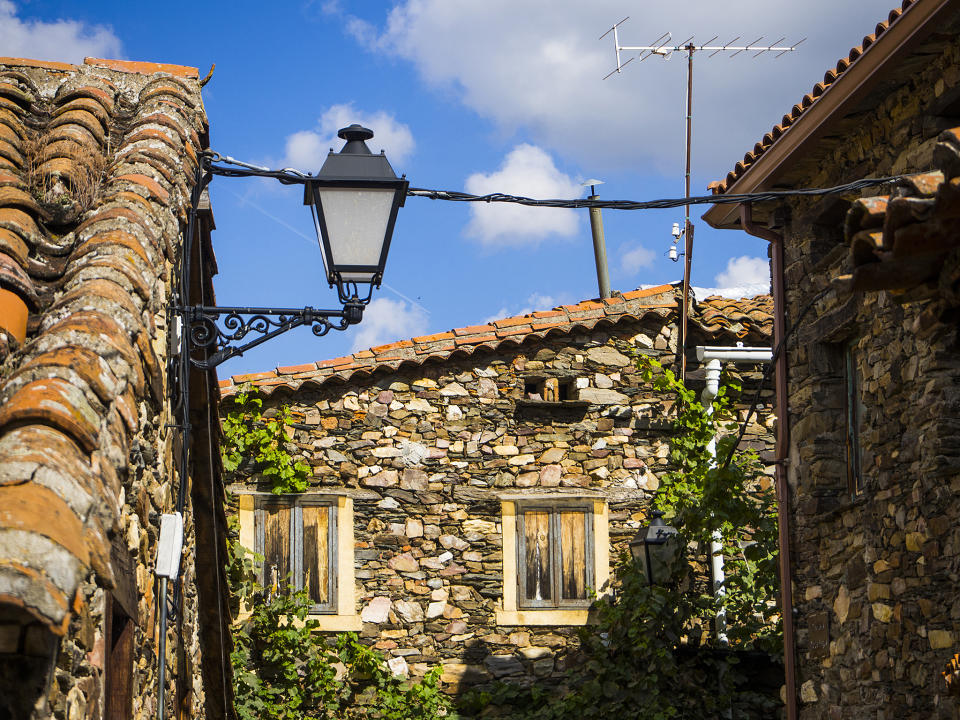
{"points": [[221, 331]]}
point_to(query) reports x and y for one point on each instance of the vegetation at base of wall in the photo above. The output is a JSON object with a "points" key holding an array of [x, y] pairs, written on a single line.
{"points": [[650, 654], [251, 437], [283, 667]]}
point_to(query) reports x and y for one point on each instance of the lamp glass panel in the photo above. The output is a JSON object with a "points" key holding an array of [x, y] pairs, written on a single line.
{"points": [[356, 220], [663, 555]]}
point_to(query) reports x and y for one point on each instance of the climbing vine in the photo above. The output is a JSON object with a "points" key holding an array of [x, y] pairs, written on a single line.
{"points": [[251, 437], [285, 669], [735, 501]]}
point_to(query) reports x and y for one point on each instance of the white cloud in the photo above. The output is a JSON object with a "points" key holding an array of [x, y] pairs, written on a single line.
{"points": [[307, 149], [529, 171], [635, 257], [538, 67], [536, 301], [61, 40], [386, 320], [744, 270]]}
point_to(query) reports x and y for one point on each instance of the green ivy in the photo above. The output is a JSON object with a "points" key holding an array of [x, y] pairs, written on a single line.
{"points": [[249, 436]]}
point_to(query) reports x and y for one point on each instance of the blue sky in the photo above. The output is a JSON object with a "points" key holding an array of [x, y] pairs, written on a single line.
{"points": [[463, 95]]}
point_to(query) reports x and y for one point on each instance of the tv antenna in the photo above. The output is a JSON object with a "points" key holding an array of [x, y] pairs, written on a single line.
{"points": [[664, 47]]}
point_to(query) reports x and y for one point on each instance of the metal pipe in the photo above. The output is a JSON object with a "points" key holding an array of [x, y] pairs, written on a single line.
{"points": [[734, 354], [599, 250], [687, 226], [716, 547], [783, 439], [715, 355], [162, 647]]}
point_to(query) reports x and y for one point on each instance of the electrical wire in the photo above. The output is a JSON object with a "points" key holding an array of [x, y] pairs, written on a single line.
{"points": [[765, 196], [290, 176]]}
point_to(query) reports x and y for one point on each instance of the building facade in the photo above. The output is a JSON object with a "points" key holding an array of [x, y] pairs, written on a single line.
{"points": [[470, 488], [96, 168], [869, 282]]}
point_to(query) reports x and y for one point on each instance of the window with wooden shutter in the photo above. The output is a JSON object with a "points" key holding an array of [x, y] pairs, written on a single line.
{"points": [[297, 538], [555, 556]]}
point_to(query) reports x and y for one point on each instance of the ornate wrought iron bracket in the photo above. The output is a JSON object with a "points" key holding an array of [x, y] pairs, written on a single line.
{"points": [[212, 335], [219, 329]]}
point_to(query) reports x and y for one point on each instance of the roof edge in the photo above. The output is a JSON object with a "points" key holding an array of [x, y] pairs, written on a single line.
{"points": [[836, 99]]}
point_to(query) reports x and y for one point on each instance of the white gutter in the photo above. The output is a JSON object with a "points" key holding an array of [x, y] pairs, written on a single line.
{"points": [[715, 355]]}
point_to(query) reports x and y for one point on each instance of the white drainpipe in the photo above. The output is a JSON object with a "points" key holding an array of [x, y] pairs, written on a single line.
{"points": [[714, 356]]}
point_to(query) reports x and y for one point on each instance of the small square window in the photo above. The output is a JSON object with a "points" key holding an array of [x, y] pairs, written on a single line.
{"points": [[298, 538], [555, 556], [548, 389]]}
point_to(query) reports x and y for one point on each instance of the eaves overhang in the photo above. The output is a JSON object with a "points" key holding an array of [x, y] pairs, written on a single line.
{"points": [[839, 99]]}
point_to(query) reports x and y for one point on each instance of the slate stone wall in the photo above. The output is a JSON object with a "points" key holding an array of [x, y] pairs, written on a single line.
{"points": [[428, 452], [875, 574]]}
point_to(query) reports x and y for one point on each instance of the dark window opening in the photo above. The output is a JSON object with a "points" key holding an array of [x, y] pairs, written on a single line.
{"points": [[854, 421], [532, 389], [549, 389], [118, 663]]}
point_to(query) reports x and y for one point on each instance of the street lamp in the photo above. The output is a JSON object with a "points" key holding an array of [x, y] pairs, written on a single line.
{"points": [[354, 201], [657, 548]]}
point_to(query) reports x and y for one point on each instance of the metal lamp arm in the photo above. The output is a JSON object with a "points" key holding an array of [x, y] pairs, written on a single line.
{"points": [[217, 328]]}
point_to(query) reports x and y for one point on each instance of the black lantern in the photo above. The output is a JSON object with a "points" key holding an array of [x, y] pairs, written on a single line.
{"points": [[657, 548], [354, 200]]}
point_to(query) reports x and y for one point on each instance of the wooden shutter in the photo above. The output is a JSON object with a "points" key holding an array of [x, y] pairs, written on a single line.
{"points": [[276, 546], [118, 660], [574, 560], [555, 556], [536, 563], [317, 531]]}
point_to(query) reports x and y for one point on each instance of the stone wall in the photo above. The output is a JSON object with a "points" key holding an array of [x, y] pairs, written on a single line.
{"points": [[875, 572], [428, 453]]}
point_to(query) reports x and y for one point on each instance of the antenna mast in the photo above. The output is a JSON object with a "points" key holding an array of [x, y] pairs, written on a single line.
{"points": [[664, 47]]}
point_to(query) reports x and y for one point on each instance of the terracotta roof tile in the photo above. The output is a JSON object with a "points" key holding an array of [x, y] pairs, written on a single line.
{"points": [[431, 338], [294, 369], [43, 64], [71, 395], [149, 183], [144, 68], [507, 332], [737, 318], [808, 100], [473, 329], [391, 346], [904, 242], [334, 362], [475, 339]]}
